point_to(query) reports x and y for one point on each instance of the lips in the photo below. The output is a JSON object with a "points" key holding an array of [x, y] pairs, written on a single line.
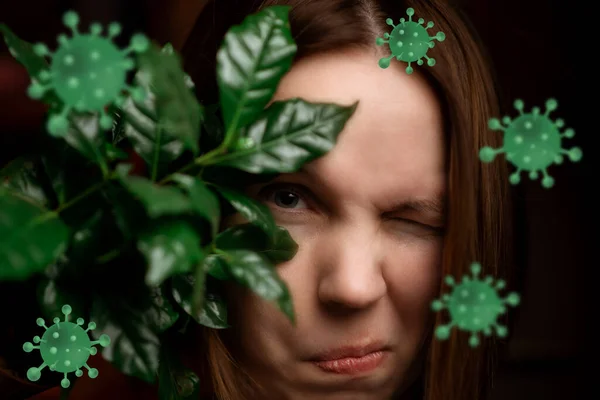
{"points": [[356, 351]]}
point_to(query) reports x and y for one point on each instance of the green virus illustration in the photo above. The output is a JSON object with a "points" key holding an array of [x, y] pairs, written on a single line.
{"points": [[532, 142], [409, 41], [87, 72], [474, 306], [65, 347]]}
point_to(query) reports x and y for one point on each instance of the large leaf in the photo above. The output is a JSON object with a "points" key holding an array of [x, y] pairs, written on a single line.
{"points": [[177, 109], [23, 176], [253, 58], [23, 52], [214, 310], [139, 123], [254, 211], [277, 248], [85, 136], [157, 200], [215, 266], [175, 382], [204, 201], [288, 135], [256, 272], [31, 237], [170, 247], [135, 345]]}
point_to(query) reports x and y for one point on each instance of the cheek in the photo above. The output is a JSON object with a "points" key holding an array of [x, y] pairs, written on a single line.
{"points": [[412, 273]]}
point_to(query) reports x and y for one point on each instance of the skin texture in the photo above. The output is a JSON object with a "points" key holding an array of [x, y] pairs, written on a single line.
{"points": [[368, 263]]}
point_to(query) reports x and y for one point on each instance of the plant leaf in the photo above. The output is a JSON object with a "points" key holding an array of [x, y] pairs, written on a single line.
{"points": [[30, 236], [170, 247], [85, 136], [22, 175], [22, 51], [177, 109], [157, 200], [254, 271], [139, 123], [216, 267], [214, 311], [253, 58], [288, 135], [204, 201], [278, 248], [254, 211]]}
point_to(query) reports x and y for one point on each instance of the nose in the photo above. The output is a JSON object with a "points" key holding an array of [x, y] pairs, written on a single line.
{"points": [[350, 269]]}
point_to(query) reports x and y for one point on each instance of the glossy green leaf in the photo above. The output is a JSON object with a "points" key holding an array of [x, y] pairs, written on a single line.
{"points": [[254, 211], [288, 135], [256, 272], [177, 110], [277, 248], [204, 201], [214, 311], [175, 382], [170, 247], [22, 51], [85, 136], [22, 175], [31, 236], [135, 344], [216, 267], [253, 58], [139, 123], [157, 200]]}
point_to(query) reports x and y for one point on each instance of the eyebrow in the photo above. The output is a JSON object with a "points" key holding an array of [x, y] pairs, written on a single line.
{"points": [[435, 205]]}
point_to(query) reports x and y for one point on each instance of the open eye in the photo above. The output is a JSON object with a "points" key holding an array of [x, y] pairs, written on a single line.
{"points": [[283, 197]]}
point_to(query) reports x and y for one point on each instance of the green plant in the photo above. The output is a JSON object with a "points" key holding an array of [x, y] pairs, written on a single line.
{"points": [[143, 254]]}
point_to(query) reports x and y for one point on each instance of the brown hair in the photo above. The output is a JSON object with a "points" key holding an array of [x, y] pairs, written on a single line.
{"points": [[478, 225]]}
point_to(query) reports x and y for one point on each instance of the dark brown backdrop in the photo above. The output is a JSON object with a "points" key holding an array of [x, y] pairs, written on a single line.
{"points": [[533, 44]]}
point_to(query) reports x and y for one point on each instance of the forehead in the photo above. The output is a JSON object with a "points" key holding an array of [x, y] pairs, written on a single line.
{"points": [[393, 146]]}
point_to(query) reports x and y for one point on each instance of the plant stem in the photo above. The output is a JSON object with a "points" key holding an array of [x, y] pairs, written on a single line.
{"points": [[214, 153], [80, 196]]}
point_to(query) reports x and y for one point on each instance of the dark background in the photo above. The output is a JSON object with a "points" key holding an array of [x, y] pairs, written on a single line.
{"points": [[533, 45]]}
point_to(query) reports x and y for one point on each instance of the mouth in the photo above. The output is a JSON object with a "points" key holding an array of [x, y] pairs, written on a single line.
{"points": [[351, 360]]}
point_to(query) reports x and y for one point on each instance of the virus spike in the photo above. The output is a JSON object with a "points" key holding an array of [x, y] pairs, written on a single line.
{"points": [[71, 20], [65, 347], [34, 374], [40, 49], [87, 71], [409, 41], [532, 142], [474, 306], [65, 383], [95, 29], [114, 30], [92, 372]]}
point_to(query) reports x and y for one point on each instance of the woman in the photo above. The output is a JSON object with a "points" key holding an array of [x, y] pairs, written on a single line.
{"points": [[399, 202]]}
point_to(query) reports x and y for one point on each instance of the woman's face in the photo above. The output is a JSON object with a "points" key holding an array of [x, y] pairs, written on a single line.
{"points": [[368, 218]]}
